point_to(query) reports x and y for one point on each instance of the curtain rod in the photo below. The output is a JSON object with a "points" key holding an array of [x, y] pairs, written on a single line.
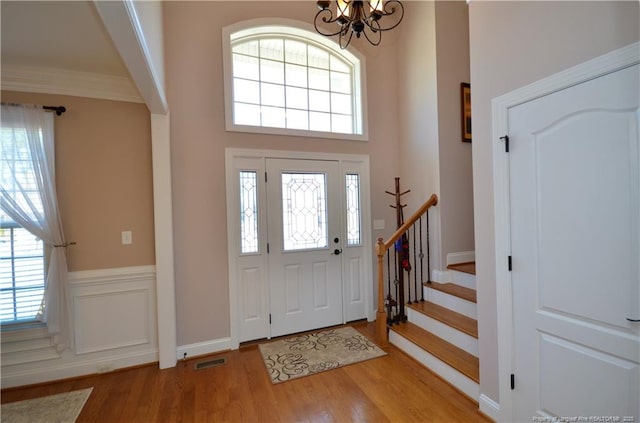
{"points": [[58, 109]]}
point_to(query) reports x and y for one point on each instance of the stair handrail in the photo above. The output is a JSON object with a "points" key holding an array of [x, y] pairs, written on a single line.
{"points": [[381, 249]]}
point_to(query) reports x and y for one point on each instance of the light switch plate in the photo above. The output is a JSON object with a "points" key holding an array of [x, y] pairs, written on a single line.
{"points": [[378, 224], [127, 238]]}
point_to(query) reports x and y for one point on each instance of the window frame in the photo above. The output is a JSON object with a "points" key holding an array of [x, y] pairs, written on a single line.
{"points": [[25, 322], [301, 31]]}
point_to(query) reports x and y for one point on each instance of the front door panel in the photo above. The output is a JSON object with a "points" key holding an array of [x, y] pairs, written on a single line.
{"points": [[305, 277]]}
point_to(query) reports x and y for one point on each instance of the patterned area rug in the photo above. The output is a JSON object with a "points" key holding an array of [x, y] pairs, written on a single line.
{"points": [[310, 353], [62, 408]]}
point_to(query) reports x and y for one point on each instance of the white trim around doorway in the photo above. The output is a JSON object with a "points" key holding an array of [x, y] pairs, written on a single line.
{"points": [[348, 162]]}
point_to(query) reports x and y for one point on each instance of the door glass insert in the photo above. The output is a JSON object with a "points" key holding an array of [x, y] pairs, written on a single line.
{"points": [[248, 212], [304, 211], [353, 208]]}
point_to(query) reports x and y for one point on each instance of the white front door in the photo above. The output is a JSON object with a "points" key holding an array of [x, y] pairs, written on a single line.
{"points": [[575, 230], [305, 244]]}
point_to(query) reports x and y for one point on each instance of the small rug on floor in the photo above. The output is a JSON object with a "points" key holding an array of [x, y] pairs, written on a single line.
{"points": [[59, 408], [310, 353]]}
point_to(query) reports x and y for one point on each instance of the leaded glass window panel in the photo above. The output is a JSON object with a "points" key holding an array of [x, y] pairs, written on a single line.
{"points": [[353, 209], [248, 212], [304, 211]]}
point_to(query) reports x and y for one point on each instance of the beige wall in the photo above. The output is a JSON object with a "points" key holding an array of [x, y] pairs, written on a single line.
{"points": [[103, 179], [456, 176], [514, 44], [193, 54], [417, 107], [433, 59]]}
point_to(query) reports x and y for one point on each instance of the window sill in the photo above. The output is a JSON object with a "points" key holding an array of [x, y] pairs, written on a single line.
{"points": [[265, 130], [22, 331]]}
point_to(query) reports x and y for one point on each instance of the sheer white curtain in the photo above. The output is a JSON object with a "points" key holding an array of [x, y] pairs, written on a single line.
{"points": [[28, 196]]}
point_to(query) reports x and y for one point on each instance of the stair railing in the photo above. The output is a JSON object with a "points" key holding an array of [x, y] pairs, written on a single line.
{"points": [[409, 244]]}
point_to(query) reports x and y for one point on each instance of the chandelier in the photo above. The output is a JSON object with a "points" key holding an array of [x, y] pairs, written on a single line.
{"points": [[359, 17]]}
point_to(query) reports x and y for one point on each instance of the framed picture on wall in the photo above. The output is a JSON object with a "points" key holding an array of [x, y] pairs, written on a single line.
{"points": [[465, 107]]}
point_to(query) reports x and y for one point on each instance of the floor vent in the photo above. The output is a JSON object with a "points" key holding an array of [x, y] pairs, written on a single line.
{"points": [[211, 363]]}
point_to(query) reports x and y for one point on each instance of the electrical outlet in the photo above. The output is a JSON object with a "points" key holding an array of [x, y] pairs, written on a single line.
{"points": [[105, 368]]}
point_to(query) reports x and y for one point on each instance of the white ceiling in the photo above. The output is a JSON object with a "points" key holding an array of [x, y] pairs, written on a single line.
{"points": [[66, 35]]}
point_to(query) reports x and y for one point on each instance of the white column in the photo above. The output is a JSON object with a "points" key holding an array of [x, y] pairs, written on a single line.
{"points": [[163, 222]]}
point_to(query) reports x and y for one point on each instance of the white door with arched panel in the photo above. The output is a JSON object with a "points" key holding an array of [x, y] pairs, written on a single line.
{"points": [[574, 159]]}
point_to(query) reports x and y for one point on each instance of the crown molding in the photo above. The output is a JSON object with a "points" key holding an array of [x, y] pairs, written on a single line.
{"points": [[63, 82]]}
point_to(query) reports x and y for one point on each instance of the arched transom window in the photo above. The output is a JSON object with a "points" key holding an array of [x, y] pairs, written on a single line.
{"points": [[287, 80]]}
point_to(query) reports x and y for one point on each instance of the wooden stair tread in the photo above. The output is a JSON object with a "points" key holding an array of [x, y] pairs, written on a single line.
{"points": [[455, 357], [468, 267], [453, 289], [447, 316]]}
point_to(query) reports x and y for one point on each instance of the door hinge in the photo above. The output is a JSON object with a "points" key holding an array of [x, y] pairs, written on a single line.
{"points": [[506, 143], [269, 318], [513, 381], [265, 177], [509, 263], [267, 248]]}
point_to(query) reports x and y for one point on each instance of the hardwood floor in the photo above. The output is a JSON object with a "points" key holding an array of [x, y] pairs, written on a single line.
{"points": [[394, 388]]}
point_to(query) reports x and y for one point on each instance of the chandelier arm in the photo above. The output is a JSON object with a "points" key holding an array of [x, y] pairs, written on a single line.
{"points": [[389, 8], [342, 33], [392, 11], [330, 20], [373, 30]]}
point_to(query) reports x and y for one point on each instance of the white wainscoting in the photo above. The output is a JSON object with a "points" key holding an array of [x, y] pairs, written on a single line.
{"points": [[114, 325]]}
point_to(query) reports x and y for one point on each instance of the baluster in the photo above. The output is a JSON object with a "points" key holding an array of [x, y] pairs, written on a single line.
{"points": [[421, 262], [389, 299], [396, 281], [405, 256], [415, 265], [428, 254]]}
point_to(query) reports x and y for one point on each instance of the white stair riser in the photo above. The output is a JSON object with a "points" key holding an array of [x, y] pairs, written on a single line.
{"points": [[453, 336], [451, 302], [463, 279], [453, 276], [448, 373]]}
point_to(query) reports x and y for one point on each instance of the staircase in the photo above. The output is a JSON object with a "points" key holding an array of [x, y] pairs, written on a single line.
{"points": [[442, 332]]}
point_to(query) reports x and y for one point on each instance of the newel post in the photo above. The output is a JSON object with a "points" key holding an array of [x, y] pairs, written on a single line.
{"points": [[381, 315]]}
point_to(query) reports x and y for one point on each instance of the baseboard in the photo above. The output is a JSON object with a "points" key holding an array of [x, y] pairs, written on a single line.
{"points": [[58, 371], [461, 257], [489, 407], [442, 276], [203, 348]]}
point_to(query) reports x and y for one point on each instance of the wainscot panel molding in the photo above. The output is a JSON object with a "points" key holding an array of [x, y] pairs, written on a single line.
{"points": [[63, 82], [114, 325]]}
